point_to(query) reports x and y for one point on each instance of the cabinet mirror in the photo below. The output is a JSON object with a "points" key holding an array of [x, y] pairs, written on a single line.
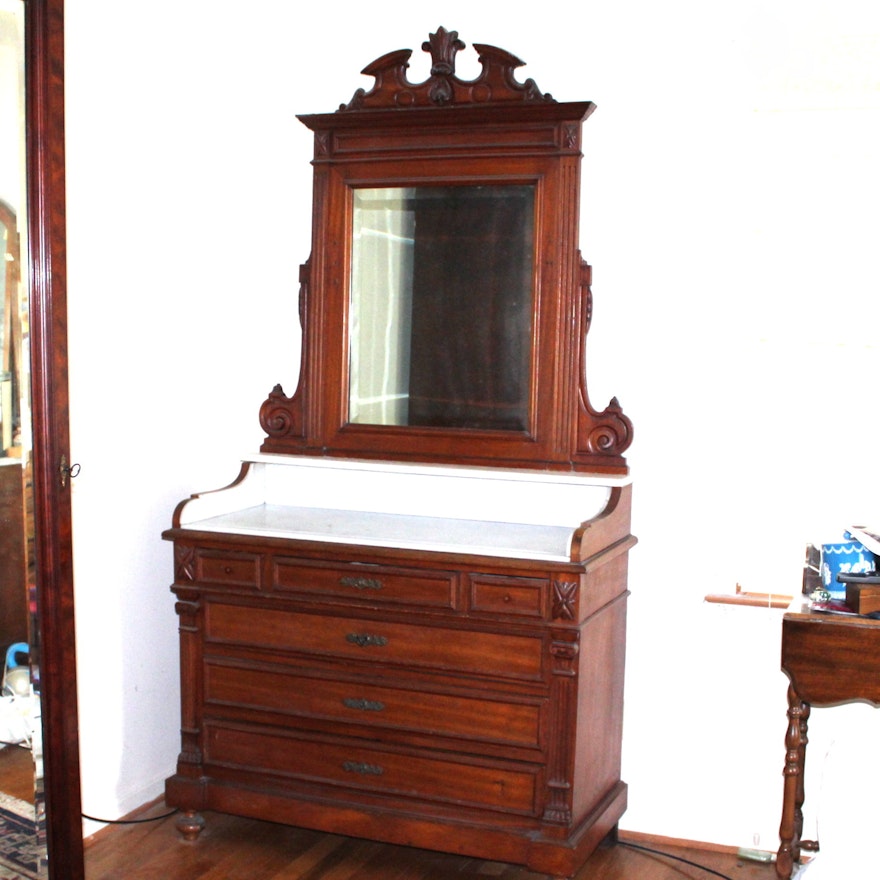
{"points": [[441, 306], [445, 304]]}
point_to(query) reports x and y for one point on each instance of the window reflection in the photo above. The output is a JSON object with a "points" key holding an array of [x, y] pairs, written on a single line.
{"points": [[441, 306]]}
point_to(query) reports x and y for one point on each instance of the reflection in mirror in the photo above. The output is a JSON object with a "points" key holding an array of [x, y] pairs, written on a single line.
{"points": [[22, 823], [441, 310]]}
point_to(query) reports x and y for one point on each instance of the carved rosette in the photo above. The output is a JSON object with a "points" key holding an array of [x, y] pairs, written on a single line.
{"points": [[565, 596], [571, 137], [495, 83], [184, 563]]}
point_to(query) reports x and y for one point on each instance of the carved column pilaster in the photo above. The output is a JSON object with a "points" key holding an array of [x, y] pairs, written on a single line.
{"points": [[564, 650], [189, 611]]}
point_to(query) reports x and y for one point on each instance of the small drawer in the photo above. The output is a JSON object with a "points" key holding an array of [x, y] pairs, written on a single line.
{"points": [[504, 722], [369, 583], [522, 597], [421, 775], [337, 638], [231, 569]]}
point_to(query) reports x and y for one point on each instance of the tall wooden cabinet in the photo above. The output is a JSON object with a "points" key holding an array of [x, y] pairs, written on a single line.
{"points": [[405, 620]]}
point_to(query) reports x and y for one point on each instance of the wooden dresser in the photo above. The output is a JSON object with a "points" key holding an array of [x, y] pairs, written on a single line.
{"points": [[405, 620], [408, 676]]}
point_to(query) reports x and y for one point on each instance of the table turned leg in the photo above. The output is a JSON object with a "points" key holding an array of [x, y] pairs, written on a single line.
{"points": [[792, 825]]}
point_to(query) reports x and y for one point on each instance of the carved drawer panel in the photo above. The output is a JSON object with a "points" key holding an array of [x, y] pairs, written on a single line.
{"points": [[446, 777], [520, 596], [502, 655], [227, 568], [365, 703], [365, 582]]}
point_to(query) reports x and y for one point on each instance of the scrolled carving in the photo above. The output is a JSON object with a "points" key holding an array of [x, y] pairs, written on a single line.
{"points": [[277, 417], [282, 416], [605, 433], [496, 82], [610, 432]]}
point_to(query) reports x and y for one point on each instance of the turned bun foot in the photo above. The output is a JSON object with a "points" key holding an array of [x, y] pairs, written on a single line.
{"points": [[190, 824]]}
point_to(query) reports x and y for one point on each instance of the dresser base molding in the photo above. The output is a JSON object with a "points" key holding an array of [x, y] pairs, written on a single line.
{"points": [[531, 845]]}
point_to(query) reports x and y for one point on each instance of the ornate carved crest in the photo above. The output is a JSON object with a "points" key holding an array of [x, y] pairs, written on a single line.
{"points": [[496, 81]]}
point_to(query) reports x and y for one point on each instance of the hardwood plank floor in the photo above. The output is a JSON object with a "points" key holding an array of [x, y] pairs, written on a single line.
{"points": [[17, 773], [232, 848]]}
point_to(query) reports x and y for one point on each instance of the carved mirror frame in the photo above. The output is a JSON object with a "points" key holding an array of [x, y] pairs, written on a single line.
{"points": [[44, 72], [448, 132]]}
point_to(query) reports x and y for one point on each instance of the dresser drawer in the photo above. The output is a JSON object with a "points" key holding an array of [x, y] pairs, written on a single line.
{"points": [[227, 568], [361, 702], [365, 582], [519, 596], [441, 777], [503, 655]]}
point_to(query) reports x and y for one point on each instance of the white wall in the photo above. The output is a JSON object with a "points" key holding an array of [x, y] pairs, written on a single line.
{"points": [[729, 210]]}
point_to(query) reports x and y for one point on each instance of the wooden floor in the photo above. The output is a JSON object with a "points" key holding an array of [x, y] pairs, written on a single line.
{"points": [[245, 849], [17, 773]]}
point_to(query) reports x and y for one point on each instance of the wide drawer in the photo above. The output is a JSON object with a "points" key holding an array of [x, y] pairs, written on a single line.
{"points": [[505, 786], [475, 718], [365, 583], [505, 655]]}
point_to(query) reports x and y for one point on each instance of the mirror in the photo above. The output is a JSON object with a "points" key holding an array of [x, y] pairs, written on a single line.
{"points": [[441, 306], [445, 304], [40, 826]]}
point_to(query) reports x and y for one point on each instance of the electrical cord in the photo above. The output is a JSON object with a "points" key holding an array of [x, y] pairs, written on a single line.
{"points": [[128, 821], [666, 855]]}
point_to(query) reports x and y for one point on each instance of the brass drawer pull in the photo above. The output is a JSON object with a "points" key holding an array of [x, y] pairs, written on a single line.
{"points": [[363, 769], [361, 583], [363, 705], [366, 640]]}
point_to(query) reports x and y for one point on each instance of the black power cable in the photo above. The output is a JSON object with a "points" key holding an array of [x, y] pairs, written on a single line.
{"points": [[666, 855], [128, 821]]}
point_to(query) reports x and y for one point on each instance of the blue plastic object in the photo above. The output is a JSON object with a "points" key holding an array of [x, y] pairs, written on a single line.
{"points": [[13, 651]]}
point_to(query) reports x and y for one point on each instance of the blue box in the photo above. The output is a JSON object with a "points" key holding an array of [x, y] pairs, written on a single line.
{"points": [[844, 557]]}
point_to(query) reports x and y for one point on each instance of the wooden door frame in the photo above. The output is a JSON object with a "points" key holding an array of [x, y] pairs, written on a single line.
{"points": [[44, 71]]}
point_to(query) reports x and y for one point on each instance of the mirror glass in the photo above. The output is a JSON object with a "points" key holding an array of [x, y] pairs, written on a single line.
{"points": [[441, 309], [22, 821]]}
